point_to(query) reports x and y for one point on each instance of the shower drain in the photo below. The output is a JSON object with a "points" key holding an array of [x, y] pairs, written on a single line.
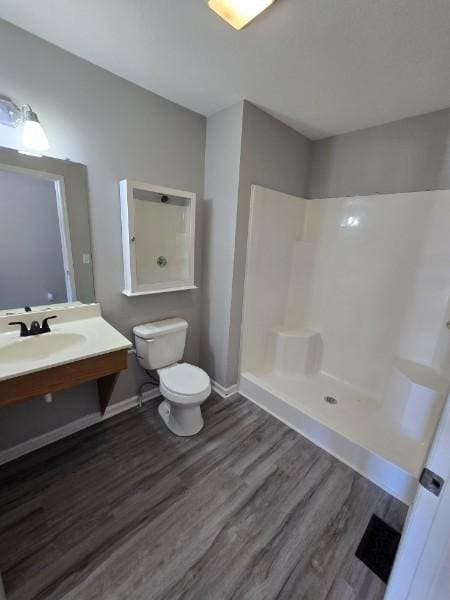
{"points": [[330, 400], [161, 261]]}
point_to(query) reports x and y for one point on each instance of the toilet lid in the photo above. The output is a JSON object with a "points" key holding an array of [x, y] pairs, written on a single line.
{"points": [[184, 379]]}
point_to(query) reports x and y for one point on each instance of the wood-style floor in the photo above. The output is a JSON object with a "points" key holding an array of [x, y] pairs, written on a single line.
{"points": [[248, 509]]}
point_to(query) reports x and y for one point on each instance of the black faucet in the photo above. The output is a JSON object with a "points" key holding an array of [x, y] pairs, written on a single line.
{"points": [[35, 328]]}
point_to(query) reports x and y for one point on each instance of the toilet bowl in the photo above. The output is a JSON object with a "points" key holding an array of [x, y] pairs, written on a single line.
{"points": [[159, 346], [184, 388]]}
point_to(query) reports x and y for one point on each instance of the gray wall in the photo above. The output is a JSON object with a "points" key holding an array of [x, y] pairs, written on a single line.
{"points": [[75, 183], [119, 131], [31, 259], [244, 145], [274, 156], [122, 131], [222, 159], [408, 155]]}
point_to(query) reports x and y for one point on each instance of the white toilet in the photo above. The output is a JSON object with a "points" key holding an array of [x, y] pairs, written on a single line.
{"points": [[159, 346]]}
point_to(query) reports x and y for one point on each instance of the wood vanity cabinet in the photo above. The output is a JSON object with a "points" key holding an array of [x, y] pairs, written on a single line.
{"points": [[105, 368]]}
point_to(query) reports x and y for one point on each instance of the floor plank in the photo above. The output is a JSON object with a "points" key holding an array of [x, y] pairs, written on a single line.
{"points": [[247, 509]]}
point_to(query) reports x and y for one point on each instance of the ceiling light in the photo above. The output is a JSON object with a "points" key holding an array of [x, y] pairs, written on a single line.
{"points": [[33, 134], [239, 13]]}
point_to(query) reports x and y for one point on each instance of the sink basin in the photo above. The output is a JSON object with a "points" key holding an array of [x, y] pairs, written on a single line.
{"points": [[39, 347], [80, 333]]}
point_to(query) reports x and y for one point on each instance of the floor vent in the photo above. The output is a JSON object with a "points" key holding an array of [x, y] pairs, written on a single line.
{"points": [[378, 547]]}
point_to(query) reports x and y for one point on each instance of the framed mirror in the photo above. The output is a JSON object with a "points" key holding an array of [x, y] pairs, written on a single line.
{"points": [[45, 244]]}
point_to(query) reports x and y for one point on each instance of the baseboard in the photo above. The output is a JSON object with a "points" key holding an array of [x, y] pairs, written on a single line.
{"points": [[119, 407], [61, 432], [114, 409], [225, 392]]}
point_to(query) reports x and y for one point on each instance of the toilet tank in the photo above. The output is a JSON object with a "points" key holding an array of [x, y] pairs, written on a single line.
{"points": [[161, 343]]}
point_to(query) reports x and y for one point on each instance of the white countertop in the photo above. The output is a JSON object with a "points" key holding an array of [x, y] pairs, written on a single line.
{"points": [[78, 332]]}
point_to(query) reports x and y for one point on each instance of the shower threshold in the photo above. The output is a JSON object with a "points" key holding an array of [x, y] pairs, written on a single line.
{"points": [[344, 422]]}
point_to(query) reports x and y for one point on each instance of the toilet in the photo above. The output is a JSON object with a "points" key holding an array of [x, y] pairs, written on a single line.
{"points": [[159, 346]]}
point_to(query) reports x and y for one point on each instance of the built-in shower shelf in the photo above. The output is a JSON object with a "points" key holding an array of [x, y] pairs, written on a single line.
{"points": [[414, 399], [296, 350]]}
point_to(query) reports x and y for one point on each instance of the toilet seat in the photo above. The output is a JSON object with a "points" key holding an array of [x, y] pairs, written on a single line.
{"points": [[184, 384]]}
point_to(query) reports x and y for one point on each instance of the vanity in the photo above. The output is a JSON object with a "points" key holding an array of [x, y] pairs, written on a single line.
{"points": [[80, 346], [62, 341]]}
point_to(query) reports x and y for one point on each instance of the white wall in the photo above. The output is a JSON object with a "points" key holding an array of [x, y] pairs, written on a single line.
{"points": [[161, 230], [424, 336], [363, 283], [369, 273], [276, 222]]}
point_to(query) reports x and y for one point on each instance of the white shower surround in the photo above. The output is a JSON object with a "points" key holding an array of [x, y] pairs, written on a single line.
{"points": [[348, 297]]}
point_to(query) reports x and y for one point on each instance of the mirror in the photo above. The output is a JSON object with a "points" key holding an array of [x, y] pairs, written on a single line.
{"points": [[45, 246]]}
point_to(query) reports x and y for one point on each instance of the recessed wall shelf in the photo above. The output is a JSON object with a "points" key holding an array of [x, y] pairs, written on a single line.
{"points": [[158, 238]]}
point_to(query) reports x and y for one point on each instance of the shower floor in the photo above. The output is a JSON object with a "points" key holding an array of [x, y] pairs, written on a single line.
{"points": [[353, 429]]}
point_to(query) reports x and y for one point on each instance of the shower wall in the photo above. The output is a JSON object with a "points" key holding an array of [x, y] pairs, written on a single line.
{"points": [[276, 221], [370, 275]]}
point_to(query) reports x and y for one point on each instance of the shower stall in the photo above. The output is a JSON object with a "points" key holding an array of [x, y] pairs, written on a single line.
{"points": [[345, 327]]}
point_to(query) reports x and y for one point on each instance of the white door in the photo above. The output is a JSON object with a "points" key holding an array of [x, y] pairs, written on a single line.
{"points": [[422, 567]]}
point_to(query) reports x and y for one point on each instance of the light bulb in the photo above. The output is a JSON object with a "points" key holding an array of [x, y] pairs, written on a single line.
{"points": [[33, 136]]}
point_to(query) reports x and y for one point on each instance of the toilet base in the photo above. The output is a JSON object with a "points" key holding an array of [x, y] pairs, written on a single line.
{"points": [[181, 420]]}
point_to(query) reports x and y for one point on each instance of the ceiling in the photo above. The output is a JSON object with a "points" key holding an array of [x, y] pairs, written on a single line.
{"points": [[322, 66]]}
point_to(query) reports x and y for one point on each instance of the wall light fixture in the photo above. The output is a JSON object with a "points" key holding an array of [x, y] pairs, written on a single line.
{"points": [[33, 134]]}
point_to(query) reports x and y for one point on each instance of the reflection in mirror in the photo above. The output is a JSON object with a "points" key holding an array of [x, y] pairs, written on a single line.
{"points": [[35, 262], [45, 253]]}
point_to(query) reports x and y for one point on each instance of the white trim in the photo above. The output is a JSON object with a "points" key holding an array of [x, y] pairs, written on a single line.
{"points": [[127, 211], [66, 244], [387, 475], [162, 290], [225, 392], [61, 432]]}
